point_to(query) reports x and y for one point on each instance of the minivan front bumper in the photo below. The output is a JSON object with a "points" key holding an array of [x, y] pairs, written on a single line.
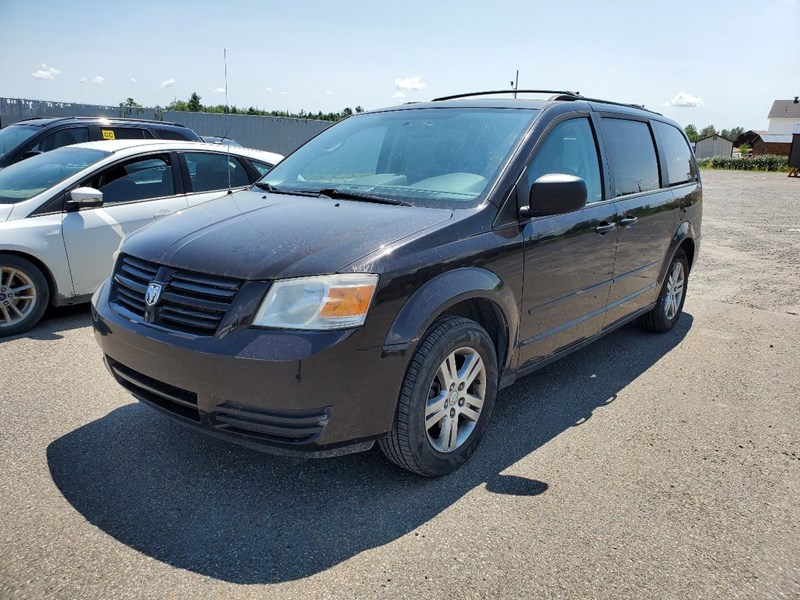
{"points": [[286, 392]]}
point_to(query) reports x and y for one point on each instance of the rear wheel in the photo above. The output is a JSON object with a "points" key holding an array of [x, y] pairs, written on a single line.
{"points": [[24, 295], [669, 307], [446, 399]]}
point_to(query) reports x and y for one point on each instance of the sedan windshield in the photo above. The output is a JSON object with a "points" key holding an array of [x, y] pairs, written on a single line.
{"points": [[26, 179], [13, 136], [442, 157]]}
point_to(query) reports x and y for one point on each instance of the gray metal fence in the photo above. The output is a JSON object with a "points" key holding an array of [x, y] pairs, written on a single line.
{"points": [[276, 134]]}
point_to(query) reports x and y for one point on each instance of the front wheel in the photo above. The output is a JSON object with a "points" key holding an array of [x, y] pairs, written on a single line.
{"points": [[669, 307], [24, 295], [446, 399]]}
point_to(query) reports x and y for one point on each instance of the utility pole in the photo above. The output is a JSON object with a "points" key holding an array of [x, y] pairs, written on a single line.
{"points": [[515, 84]]}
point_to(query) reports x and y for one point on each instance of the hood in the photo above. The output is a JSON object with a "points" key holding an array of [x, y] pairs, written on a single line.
{"points": [[253, 235], [5, 211]]}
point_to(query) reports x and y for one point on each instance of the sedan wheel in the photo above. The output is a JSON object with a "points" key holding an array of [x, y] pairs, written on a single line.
{"points": [[23, 295]]}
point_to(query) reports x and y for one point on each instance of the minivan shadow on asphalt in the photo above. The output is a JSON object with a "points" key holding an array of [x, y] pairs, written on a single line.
{"points": [[56, 320], [241, 516]]}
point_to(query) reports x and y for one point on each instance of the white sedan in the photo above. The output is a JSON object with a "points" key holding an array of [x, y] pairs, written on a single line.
{"points": [[63, 214]]}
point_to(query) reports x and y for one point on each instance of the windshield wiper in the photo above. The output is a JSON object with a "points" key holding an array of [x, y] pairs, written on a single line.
{"points": [[337, 194], [263, 185]]}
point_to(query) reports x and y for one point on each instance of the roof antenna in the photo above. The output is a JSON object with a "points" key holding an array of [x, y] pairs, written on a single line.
{"points": [[228, 118]]}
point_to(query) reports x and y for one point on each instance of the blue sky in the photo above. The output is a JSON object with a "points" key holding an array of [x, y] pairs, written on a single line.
{"points": [[726, 61]]}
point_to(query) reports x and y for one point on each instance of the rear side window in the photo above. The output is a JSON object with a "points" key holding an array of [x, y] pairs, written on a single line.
{"points": [[210, 172], [632, 156], [679, 166], [125, 133]]}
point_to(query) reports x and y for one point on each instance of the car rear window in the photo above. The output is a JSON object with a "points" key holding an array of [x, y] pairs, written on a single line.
{"points": [[125, 133], [680, 167], [632, 156], [172, 134]]}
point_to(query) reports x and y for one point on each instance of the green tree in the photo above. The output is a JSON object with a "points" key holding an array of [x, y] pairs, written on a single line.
{"points": [[708, 131], [194, 104], [691, 132], [359, 109], [130, 108], [732, 133]]}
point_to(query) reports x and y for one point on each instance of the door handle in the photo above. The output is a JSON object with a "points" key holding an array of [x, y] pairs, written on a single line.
{"points": [[628, 221], [605, 227]]}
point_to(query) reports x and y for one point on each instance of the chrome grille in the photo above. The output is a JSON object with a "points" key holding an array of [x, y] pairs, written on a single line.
{"points": [[190, 302]]}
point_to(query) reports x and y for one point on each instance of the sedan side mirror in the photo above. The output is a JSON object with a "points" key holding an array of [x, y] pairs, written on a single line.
{"points": [[84, 197], [554, 195]]}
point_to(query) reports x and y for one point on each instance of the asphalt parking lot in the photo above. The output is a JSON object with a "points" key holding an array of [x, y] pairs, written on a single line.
{"points": [[642, 466]]}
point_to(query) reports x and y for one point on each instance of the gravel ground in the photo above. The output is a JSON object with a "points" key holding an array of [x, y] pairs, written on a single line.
{"points": [[642, 466]]}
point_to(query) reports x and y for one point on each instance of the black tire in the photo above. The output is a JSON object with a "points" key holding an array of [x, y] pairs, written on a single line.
{"points": [[657, 319], [408, 444], [39, 303]]}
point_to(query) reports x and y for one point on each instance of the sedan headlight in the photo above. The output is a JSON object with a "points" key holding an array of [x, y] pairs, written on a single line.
{"points": [[318, 303]]}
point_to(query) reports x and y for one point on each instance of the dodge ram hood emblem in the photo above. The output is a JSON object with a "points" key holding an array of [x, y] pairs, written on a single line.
{"points": [[153, 294]]}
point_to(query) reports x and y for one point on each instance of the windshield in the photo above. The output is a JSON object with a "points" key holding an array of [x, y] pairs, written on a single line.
{"points": [[14, 135], [26, 179], [444, 157]]}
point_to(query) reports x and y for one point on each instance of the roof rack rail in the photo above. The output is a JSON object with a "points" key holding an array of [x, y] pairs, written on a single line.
{"points": [[556, 95], [491, 93]]}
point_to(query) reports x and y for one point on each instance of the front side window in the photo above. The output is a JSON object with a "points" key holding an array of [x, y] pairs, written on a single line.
{"points": [[445, 157], [680, 167], [13, 136], [212, 172], [140, 179], [632, 156], [26, 179], [570, 149], [64, 137]]}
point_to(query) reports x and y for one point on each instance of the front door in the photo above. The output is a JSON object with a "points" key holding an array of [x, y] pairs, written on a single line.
{"points": [[135, 193], [569, 258]]}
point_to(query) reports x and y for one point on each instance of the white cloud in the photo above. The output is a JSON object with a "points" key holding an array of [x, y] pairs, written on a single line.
{"points": [[133, 79], [684, 100], [283, 93], [399, 96], [46, 73], [168, 84], [269, 90], [218, 90], [98, 79], [410, 83], [83, 80], [329, 93]]}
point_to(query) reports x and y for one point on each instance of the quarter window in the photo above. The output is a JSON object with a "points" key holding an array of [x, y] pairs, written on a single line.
{"points": [[632, 156], [570, 149], [210, 172], [140, 179], [262, 168], [680, 167]]}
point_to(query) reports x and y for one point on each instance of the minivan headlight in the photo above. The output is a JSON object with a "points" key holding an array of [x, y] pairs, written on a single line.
{"points": [[318, 303]]}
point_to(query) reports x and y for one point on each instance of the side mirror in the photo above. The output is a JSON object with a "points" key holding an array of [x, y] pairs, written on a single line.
{"points": [[29, 154], [84, 197], [554, 195]]}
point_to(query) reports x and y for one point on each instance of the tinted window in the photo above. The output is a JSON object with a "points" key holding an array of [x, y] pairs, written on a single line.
{"points": [[30, 177], [679, 166], [570, 149], [139, 179], [632, 156], [13, 136], [172, 134], [429, 157], [215, 171], [63, 137], [262, 168], [125, 133]]}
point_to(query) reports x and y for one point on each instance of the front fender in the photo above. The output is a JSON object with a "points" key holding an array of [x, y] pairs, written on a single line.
{"points": [[448, 289]]}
